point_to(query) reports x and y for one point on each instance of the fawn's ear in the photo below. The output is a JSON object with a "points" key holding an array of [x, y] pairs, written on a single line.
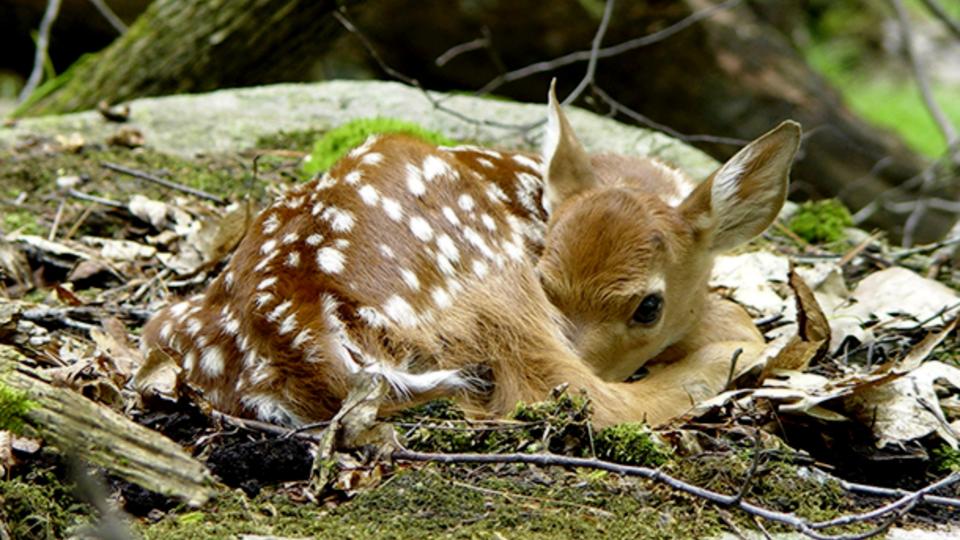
{"points": [[566, 166], [744, 196]]}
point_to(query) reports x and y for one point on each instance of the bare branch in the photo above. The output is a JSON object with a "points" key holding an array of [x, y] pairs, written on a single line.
{"points": [[584, 56], [40, 56], [906, 34], [457, 50], [110, 16], [943, 16], [163, 182], [594, 54]]}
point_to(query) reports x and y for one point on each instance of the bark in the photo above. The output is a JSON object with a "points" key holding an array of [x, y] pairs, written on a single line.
{"points": [[730, 74], [102, 437], [197, 45]]}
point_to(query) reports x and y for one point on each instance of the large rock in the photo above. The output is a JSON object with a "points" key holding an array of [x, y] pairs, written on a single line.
{"points": [[233, 120]]}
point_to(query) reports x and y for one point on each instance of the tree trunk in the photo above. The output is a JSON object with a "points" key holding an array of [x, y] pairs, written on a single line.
{"points": [[729, 75], [197, 45]]}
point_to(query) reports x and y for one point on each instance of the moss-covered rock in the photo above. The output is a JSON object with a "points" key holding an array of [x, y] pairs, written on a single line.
{"points": [[632, 444], [820, 222], [339, 140]]}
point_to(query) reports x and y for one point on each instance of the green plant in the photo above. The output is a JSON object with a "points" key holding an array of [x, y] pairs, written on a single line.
{"points": [[338, 141], [821, 221]]}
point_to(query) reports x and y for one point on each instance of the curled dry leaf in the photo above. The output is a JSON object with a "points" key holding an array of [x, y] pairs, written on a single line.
{"points": [[812, 335], [120, 250], [113, 342], [210, 242], [149, 210], [747, 279], [894, 298]]}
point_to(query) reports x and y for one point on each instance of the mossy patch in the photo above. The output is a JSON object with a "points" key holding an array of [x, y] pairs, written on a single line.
{"points": [[14, 405], [338, 141], [21, 221], [821, 222], [632, 444], [39, 506], [946, 459]]}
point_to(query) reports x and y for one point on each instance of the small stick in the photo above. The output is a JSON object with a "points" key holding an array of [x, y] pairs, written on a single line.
{"points": [[93, 198], [163, 182], [56, 222]]}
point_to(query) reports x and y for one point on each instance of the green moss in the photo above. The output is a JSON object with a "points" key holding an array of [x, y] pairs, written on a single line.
{"points": [[14, 405], [38, 506], [946, 459], [300, 141], [631, 444], [21, 221], [338, 141], [820, 222]]}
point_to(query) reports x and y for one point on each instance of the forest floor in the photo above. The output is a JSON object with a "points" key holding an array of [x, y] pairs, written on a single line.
{"points": [[86, 254]]}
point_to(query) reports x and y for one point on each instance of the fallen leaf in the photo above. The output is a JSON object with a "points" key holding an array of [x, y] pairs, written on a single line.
{"points": [[149, 210], [113, 342], [906, 408], [747, 280], [812, 335], [120, 250]]}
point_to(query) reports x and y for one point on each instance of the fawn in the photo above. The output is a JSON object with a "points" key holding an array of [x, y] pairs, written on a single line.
{"points": [[490, 276]]}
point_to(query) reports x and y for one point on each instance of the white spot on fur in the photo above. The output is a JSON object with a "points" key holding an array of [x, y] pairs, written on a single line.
{"points": [[302, 337], [263, 299], [262, 265], [290, 238], [293, 259], [392, 208], [353, 178], [410, 278], [271, 224], [268, 408], [450, 215], [474, 238], [386, 251], [190, 361], [421, 228], [465, 202], [415, 180], [179, 309], [166, 330], [330, 260], [448, 248], [369, 195], [495, 194], [486, 163], [317, 208], [341, 243], [409, 384], [441, 298], [278, 311], [372, 317], [193, 326], [288, 325], [340, 220], [488, 222], [211, 363], [435, 167], [326, 182], [266, 283], [480, 268], [527, 161], [400, 311], [314, 239], [293, 202], [229, 279], [444, 265], [372, 158]]}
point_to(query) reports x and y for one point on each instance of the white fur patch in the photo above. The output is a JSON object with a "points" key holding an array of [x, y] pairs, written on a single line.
{"points": [[386, 251], [302, 337], [373, 158], [466, 202], [480, 268], [330, 260], [353, 178], [441, 297], [314, 240], [194, 326], [400, 311], [278, 311], [290, 238], [190, 361], [271, 224], [421, 228], [340, 220], [450, 215], [293, 259], [444, 265], [392, 208], [447, 247], [527, 161], [288, 325], [372, 317], [415, 180], [409, 384], [262, 299], [268, 408], [268, 282], [369, 195], [495, 194], [179, 309], [474, 238], [486, 163], [488, 222], [435, 167], [410, 278], [212, 362]]}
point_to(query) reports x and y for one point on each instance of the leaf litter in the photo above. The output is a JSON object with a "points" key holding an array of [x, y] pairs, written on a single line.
{"points": [[851, 343]]}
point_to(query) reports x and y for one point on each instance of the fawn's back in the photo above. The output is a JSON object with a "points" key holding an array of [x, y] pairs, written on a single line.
{"points": [[492, 276]]}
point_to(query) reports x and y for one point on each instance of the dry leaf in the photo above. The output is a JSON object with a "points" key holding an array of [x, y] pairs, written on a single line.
{"points": [[747, 279], [120, 250], [149, 210], [114, 343], [812, 335], [906, 408], [895, 298], [158, 377]]}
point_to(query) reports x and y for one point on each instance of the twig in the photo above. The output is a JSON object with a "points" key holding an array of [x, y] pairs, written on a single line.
{"points": [[587, 79], [888, 492], [56, 221], [162, 181], [110, 16], [40, 56], [925, 248], [894, 509], [457, 50], [93, 198], [943, 16], [906, 34], [607, 52], [733, 366]]}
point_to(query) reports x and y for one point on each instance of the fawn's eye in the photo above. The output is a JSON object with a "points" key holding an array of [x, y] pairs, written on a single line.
{"points": [[649, 309]]}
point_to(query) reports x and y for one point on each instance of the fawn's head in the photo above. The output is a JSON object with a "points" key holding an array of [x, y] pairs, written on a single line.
{"points": [[629, 269]]}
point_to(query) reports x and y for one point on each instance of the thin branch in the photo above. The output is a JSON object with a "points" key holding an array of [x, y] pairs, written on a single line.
{"points": [[163, 182], [584, 56], [110, 16], [906, 34], [40, 56], [457, 50], [943, 16], [587, 79], [892, 510]]}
